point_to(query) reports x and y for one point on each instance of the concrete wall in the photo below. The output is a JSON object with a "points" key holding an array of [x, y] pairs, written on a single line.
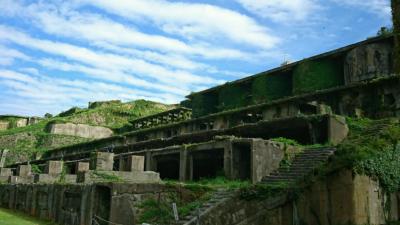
{"points": [[78, 204], [4, 125], [343, 198], [80, 130]]}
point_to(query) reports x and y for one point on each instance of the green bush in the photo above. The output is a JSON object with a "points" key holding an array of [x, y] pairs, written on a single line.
{"points": [[311, 76]]}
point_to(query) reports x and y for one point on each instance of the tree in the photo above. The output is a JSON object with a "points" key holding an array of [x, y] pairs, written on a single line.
{"points": [[396, 30]]}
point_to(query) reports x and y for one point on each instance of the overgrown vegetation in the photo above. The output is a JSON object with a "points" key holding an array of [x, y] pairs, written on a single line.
{"points": [[186, 197], [106, 176], [372, 148], [25, 143], [206, 184], [316, 75], [268, 88], [396, 30]]}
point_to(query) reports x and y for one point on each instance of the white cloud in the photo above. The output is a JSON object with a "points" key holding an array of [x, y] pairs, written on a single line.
{"points": [[107, 61], [49, 92], [381, 8], [281, 10], [192, 20], [7, 56]]}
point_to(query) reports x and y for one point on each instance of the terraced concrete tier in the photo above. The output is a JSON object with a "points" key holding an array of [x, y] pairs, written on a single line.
{"points": [[301, 166]]}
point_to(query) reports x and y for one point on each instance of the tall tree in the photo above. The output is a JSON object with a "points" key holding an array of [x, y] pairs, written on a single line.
{"points": [[396, 31]]}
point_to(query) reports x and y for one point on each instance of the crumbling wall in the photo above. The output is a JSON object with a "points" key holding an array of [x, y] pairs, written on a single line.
{"points": [[80, 130], [79, 204], [342, 198], [368, 62]]}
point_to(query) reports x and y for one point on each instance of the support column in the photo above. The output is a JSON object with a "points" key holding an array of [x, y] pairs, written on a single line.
{"points": [[183, 160], [148, 161], [54, 167], [82, 167], [103, 161], [228, 160], [3, 155], [135, 163]]}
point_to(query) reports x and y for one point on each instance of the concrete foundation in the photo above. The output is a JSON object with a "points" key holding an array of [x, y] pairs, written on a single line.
{"points": [[118, 176]]}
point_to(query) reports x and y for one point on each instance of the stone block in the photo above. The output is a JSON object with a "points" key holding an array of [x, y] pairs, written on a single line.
{"points": [[4, 179], [82, 167], [135, 163], [48, 178], [24, 170], [54, 167], [119, 176], [103, 161], [21, 179], [6, 172]]}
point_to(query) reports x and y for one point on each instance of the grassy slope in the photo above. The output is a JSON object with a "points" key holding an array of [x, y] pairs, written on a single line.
{"points": [[8, 217], [26, 141]]}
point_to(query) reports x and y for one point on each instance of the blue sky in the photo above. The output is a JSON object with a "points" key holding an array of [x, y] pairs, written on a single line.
{"points": [[58, 54]]}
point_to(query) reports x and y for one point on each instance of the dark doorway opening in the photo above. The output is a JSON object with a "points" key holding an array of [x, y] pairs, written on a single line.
{"points": [[168, 166], [241, 161], [102, 204], [208, 164]]}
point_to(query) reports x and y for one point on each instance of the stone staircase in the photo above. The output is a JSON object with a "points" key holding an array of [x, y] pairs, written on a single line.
{"points": [[301, 166], [217, 198]]}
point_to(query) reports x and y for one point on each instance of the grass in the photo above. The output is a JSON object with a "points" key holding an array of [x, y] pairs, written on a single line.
{"points": [[9, 217], [213, 183]]}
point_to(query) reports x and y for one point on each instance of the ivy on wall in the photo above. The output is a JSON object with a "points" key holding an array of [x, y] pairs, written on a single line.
{"points": [[232, 96], [203, 104], [267, 88], [396, 29], [316, 75]]}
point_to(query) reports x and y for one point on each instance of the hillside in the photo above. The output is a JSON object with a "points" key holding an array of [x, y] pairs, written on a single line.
{"points": [[31, 141]]}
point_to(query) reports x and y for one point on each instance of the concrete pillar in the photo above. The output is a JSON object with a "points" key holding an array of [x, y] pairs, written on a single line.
{"points": [[102, 161], [5, 172], [148, 161], [82, 167], [135, 163], [183, 161], [337, 129], [122, 163], [3, 155], [24, 170], [228, 160], [54, 167]]}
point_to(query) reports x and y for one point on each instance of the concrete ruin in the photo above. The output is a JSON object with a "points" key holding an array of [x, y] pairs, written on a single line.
{"points": [[232, 130], [79, 130]]}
